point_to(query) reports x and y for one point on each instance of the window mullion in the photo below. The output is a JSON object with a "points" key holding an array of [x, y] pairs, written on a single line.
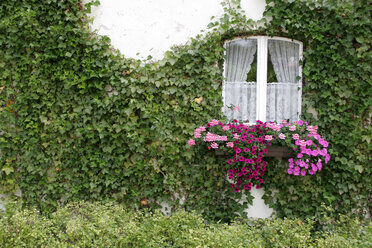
{"points": [[261, 78]]}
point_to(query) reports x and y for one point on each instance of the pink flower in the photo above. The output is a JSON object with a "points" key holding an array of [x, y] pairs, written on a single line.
{"points": [[202, 129], [235, 136], [312, 129], [214, 145], [303, 172], [226, 128], [295, 136], [236, 108], [302, 143], [290, 171], [292, 128], [300, 122], [229, 144], [268, 137], [197, 135], [213, 123], [191, 142], [282, 136]]}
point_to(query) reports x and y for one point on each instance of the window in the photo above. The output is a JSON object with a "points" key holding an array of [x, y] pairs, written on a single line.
{"points": [[262, 77]]}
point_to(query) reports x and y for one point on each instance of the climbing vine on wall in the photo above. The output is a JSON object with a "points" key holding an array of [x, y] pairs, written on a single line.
{"points": [[81, 121]]}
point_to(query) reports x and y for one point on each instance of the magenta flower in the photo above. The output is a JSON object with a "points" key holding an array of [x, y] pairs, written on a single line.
{"points": [[290, 171], [246, 149], [323, 152], [315, 153], [230, 161], [300, 122], [303, 172]]}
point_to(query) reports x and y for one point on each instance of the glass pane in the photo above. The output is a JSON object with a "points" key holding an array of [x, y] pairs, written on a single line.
{"points": [[252, 74], [283, 89], [240, 56]]}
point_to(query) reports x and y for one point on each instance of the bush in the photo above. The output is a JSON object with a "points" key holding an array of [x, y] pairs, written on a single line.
{"points": [[87, 224]]}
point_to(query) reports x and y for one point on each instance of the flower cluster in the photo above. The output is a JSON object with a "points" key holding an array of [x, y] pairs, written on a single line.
{"points": [[247, 146], [310, 148]]}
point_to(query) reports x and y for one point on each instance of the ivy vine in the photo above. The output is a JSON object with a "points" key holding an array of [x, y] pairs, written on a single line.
{"points": [[81, 121]]}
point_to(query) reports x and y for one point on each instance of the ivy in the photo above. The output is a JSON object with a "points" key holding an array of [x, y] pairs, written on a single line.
{"points": [[81, 121]]}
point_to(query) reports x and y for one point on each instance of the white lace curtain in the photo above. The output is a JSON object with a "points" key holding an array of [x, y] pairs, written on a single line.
{"points": [[283, 96], [238, 92]]}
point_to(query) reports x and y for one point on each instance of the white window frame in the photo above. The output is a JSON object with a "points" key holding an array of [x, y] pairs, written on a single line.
{"points": [[262, 62]]}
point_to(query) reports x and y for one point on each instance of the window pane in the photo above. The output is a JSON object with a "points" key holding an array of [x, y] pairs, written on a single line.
{"points": [[237, 91], [283, 95]]}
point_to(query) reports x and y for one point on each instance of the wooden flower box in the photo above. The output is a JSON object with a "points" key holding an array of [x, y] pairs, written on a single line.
{"points": [[273, 151]]}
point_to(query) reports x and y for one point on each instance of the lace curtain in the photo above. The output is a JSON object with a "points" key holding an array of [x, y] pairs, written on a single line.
{"points": [[283, 96], [238, 92]]}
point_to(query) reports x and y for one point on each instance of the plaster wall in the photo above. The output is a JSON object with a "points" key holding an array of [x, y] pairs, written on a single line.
{"points": [[150, 27]]}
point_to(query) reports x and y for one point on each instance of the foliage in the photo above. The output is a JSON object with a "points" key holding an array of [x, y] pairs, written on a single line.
{"points": [[80, 121], [87, 224]]}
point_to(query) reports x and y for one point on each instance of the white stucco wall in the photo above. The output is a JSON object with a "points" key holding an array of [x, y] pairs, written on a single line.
{"points": [[151, 27]]}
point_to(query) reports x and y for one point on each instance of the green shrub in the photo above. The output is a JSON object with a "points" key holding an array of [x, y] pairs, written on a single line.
{"points": [[87, 224]]}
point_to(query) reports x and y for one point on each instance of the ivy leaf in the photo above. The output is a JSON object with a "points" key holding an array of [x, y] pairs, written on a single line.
{"points": [[8, 170]]}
